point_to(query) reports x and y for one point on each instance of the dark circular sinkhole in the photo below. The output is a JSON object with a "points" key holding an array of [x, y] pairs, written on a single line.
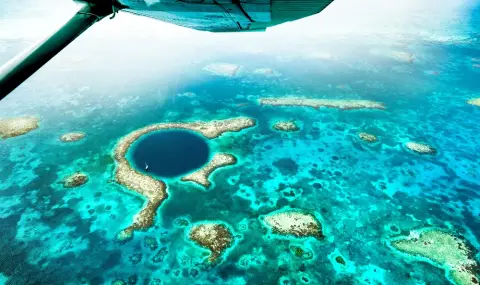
{"points": [[169, 153]]}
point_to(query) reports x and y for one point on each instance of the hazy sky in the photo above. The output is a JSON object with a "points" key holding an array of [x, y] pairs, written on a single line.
{"points": [[136, 49], [34, 19]]}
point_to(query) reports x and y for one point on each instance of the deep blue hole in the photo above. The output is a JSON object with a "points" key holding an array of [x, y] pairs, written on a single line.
{"points": [[170, 153]]}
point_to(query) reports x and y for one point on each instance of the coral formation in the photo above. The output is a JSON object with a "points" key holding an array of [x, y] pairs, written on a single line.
{"points": [[402, 56], [367, 137], [75, 180], [160, 255], [150, 243], [214, 236], [420, 148], [181, 222], [443, 249], [201, 176], [266, 72], [18, 126], [317, 103], [301, 252], [72, 137], [154, 190], [187, 94], [294, 222], [475, 102], [222, 69], [124, 235], [287, 126], [340, 260]]}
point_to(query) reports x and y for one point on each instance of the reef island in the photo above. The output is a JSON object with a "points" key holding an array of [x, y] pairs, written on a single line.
{"points": [[444, 250], [13, 127], [155, 190], [317, 103], [72, 137], [213, 236], [294, 222], [366, 137], [421, 148], [287, 126], [75, 180]]}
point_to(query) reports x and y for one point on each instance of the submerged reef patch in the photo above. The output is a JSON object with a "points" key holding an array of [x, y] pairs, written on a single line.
{"points": [[154, 190], [214, 236], [119, 282], [222, 69], [286, 126], [475, 102], [317, 103], [301, 252], [18, 126], [294, 222], [150, 243], [267, 72], [72, 137], [340, 263], [421, 148], [75, 180], [443, 249], [366, 137], [187, 94], [201, 176], [286, 166], [403, 56]]}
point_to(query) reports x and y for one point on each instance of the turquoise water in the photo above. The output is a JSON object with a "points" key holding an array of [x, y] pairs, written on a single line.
{"points": [[363, 193]]}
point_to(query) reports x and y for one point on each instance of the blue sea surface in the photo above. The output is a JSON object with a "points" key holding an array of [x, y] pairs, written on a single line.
{"points": [[364, 194], [169, 153]]}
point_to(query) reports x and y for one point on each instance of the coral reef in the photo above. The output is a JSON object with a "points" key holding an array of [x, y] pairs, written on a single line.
{"points": [[366, 137], [443, 249], [266, 72], [187, 94], [402, 56], [222, 69], [72, 137], [214, 236], [181, 222], [124, 235], [201, 176], [420, 148], [287, 126], [75, 180], [317, 103], [294, 222], [301, 252], [475, 102], [150, 243], [160, 255], [340, 260], [154, 190], [18, 126]]}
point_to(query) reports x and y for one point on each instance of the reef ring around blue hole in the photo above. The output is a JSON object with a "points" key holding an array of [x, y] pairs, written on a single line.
{"points": [[169, 153]]}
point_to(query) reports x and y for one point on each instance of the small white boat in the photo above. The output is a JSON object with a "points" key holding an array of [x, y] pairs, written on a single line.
{"points": [[146, 166]]}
